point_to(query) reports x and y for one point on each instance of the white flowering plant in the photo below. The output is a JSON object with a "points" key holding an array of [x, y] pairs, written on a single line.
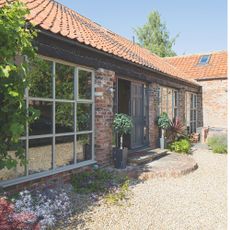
{"points": [[48, 205]]}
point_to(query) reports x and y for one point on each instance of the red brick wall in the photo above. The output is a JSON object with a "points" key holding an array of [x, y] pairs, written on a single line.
{"points": [[214, 103], [104, 81], [153, 129], [48, 181]]}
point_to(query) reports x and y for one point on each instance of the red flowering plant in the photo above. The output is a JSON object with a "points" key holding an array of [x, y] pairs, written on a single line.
{"points": [[176, 130], [11, 220]]}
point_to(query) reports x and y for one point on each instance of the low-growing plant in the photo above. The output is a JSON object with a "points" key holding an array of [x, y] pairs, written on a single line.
{"points": [[101, 182], [218, 143], [90, 182], [10, 219], [49, 206], [119, 195], [180, 146]]}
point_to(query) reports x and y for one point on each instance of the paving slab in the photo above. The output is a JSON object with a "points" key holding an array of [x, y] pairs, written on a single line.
{"points": [[170, 165]]}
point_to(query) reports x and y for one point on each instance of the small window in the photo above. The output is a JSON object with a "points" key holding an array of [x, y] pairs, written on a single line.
{"points": [[204, 59]]}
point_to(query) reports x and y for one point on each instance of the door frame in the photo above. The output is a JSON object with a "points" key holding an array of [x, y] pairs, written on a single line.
{"points": [[145, 96]]}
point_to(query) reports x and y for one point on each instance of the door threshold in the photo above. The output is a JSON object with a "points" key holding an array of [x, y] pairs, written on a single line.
{"points": [[139, 149]]}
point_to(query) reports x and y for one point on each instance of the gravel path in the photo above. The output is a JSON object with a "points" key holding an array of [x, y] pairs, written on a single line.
{"points": [[195, 201]]}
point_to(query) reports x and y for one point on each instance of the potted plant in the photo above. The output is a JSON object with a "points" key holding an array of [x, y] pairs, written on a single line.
{"points": [[176, 130], [122, 124], [163, 122]]}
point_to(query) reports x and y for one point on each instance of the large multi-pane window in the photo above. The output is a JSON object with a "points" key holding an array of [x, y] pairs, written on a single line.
{"points": [[62, 136], [168, 101], [191, 112]]}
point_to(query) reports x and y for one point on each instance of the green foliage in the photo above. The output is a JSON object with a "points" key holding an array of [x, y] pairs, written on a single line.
{"points": [[15, 41], [163, 121], [176, 130], [88, 182], [155, 37], [180, 146], [122, 123], [119, 195], [218, 143], [113, 186]]}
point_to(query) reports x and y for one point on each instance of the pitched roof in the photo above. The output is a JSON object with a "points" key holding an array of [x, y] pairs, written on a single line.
{"points": [[189, 64], [58, 19]]}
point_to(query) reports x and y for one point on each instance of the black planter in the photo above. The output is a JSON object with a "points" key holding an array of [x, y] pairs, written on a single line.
{"points": [[120, 157]]}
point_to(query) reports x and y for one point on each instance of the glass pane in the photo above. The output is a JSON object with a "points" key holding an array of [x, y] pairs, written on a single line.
{"points": [[192, 100], [195, 101], [40, 75], [170, 101], [164, 100], [40, 155], [19, 170], [64, 150], [191, 115], [64, 117], [175, 113], [84, 147], [194, 115], [85, 84], [84, 117], [175, 98], [43, 125], [64, 82]]}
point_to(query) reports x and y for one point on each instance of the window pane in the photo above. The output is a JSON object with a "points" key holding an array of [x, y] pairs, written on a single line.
{"points": [[64, 82], [195, 101], [84, 147], [40, 75], [64, 150], [19, 170], [175, 98], [194, 115], [164, 100], [40, 155], [64, 117], [175, 113], [84, 117], [170, 101], [85, 84], [43, 125]]}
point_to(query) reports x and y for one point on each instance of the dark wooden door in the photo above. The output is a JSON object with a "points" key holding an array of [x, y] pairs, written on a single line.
{"points": [[137, 114]]}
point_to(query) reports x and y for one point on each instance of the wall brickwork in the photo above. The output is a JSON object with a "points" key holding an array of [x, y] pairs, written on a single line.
{"points": [[214, 103], [104, 80], [48, 181], [153, 104]]}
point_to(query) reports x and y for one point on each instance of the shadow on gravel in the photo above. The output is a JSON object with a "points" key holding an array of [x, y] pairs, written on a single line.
{"points": [[88, 190]]}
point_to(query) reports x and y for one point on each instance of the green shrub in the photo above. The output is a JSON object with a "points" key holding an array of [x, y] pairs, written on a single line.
{"points": [[181, 146], [97, 181], [218, 143]]}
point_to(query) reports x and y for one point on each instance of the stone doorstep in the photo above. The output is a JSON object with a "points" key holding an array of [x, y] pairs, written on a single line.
{"points": [[146, 157]]}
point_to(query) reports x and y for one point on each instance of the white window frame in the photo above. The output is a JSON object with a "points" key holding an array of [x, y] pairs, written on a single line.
{"points": [[75, 101]]}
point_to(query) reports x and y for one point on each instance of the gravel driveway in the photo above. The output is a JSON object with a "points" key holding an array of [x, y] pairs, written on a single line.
{"points": [[195, 201]]}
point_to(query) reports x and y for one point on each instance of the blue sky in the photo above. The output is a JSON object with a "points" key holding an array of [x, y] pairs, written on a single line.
{"points": [[201, 24]]}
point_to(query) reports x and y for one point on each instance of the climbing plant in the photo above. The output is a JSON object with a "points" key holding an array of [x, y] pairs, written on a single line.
{"points": [[16, 37]]}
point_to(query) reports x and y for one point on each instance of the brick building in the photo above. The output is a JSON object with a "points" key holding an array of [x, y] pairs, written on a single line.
{"points": [[211, 74], [85, 74]]}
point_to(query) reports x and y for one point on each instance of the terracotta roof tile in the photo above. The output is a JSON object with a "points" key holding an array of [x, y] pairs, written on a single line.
{"points": [[189, 64], [56, 18]]}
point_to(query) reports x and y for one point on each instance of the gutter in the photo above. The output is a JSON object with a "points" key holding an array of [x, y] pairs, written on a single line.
{"points": [[58, 37]]}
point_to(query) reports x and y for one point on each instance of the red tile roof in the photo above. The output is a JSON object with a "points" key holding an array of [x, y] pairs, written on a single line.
{"points": [[189, 64], [58, 19]]}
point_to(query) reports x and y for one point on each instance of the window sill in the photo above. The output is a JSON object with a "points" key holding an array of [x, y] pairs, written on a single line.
{"points": [[12, 182]]}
